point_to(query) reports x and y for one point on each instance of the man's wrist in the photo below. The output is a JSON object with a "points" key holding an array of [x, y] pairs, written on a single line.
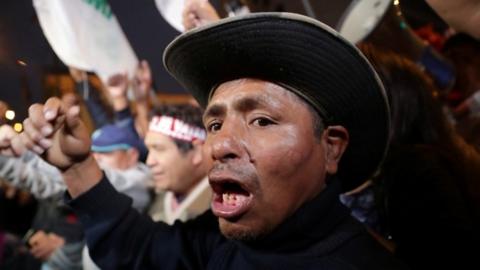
{"points": [[82, 176]]}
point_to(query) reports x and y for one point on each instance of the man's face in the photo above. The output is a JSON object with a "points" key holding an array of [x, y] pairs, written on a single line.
{"points": [[171, 169], [118, 159], [266, 159]]}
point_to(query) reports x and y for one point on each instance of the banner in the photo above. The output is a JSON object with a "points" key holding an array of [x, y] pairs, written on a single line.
{"points": [[85, 34]]}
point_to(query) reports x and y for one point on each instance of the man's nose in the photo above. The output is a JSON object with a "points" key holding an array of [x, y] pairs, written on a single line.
{"points": [[150, 160], [225, 144]]}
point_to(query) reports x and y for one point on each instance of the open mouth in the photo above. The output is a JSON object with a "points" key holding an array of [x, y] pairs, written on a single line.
{"points": [[230, 199]]}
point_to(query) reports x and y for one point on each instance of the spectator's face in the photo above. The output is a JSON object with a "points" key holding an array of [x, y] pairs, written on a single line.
{"points": [[267, 161], [171, 169]]}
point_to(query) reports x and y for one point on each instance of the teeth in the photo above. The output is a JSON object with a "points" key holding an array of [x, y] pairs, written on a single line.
{"points": [[229, 198]]}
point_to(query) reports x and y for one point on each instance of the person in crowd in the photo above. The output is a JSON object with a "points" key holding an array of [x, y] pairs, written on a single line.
{"points": [[117, 87], [197, 13], [58, 240], [57, 237], [116, 150], [291, 122], [144, 97], [92, 96], [119, 112], [463, 15], [464, 52], [175, 141], [28, 171], [429, 184], [17, 209]]}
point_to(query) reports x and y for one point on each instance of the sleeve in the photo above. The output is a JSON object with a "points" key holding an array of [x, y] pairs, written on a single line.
{"points": [[68, 256], [118, 237], [94, 103], [427, 211], [132, 182], [31, 173]]}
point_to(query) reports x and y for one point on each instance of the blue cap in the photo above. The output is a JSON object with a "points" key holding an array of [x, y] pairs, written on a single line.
{"points": [[111, 138]]}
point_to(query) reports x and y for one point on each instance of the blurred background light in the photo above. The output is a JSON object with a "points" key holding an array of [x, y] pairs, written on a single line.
{"points": [[9, 114], [18, 127]]}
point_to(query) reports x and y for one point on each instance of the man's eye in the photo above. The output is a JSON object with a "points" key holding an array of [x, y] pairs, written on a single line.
{"points": [[214, 127], [262, 122], [158, 148]]}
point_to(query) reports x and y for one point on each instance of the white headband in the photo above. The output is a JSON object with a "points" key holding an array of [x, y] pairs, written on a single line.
{"points": [[176, 128]]}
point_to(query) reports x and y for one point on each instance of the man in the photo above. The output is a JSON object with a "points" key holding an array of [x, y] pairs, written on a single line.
{"points": [[116, 149], [175, 141], [284, 96]]}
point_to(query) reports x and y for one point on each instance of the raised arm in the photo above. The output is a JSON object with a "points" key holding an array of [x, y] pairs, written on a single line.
{"points": [[197, 13], [118, 236], [91, 97], [27, 171], [55, 131], [142, 89]]}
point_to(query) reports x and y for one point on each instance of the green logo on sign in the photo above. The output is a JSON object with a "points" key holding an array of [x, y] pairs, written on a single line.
{"points": [[102, 6]]}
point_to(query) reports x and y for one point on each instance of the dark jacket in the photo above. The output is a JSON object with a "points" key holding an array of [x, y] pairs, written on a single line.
{"points": [[320, 235], [426, 209]]}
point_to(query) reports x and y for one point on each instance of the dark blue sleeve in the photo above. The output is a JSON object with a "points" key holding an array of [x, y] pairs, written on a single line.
{"points": [[92, 100], [120, 238]]}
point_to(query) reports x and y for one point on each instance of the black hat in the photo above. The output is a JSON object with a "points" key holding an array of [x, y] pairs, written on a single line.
{"points": [[302, 55]]}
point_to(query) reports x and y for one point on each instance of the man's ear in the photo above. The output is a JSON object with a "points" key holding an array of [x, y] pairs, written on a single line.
{"points": [[197, 152], [133, 155], [336, 139]]}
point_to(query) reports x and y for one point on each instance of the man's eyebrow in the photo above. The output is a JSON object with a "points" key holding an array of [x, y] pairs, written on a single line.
{"points": [[244, 104], [216, 110], [251, 103]]}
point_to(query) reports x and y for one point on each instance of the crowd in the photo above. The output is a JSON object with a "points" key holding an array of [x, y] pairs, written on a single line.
{"points": [[300, 151]]}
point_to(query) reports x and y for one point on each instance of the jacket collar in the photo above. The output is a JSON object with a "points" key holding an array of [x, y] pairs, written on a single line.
{"points": [[313, 221]]}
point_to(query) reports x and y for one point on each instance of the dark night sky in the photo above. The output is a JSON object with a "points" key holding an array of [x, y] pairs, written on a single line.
{"points": [[21, 39]]}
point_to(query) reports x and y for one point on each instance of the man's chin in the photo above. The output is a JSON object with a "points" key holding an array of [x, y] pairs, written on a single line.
{"points": [[235, 230]]}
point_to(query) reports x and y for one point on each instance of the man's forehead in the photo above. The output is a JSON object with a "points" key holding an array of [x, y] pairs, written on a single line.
{"points": [[248, 93], [156, 138]]}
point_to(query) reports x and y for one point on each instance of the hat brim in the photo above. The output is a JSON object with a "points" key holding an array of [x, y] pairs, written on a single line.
{"points": [[302, 55]]}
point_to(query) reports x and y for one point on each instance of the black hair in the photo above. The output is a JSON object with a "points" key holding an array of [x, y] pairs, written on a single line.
{"points": [[318, 125], [416, 112], [464, 52], [418, 119]]}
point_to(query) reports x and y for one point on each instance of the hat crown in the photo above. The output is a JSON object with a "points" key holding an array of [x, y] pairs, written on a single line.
{"points": [[112, 137]]}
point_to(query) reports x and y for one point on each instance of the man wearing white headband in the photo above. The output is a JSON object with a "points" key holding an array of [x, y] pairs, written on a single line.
{"points": [[175, 141]]}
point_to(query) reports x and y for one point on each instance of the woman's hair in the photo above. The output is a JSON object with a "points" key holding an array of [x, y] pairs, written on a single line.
{"points": [[417, 118], [416, 113]]}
